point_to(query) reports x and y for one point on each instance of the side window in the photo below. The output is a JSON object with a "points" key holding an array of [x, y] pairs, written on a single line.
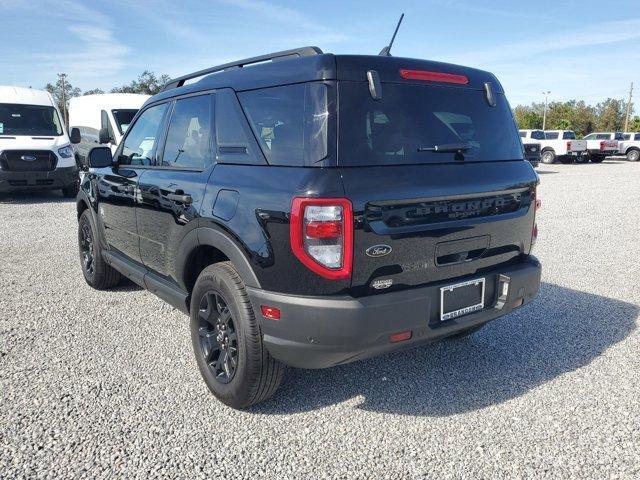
{"points": [[591, 136], [104, 123], [140, 145], [189, 136], [552, 135], [637, 136], [602, 136]]}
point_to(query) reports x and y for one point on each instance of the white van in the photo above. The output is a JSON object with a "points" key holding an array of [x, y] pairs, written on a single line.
{"points": [[35, 151], [102, 119]]}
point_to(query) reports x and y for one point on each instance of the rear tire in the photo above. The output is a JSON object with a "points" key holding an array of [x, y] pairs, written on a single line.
{"points": [[227, 340], [548, 157], [567, 160], [633, 155], [597, 158], [70, 191], [96, 272]]}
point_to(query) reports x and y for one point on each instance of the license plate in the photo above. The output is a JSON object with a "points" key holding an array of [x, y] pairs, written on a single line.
{"points": [[461, 299]]}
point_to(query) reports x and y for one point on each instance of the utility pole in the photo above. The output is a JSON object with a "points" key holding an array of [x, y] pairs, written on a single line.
{"points": [[544, 114], [626, 118], [62, 77]]}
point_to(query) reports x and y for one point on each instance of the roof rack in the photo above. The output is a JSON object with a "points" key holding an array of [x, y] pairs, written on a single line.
{"points": [[296, 52]]}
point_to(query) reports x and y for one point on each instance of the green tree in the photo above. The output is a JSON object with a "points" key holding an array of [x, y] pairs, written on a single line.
{"points": [[610, 115], [62, 91], [147, 83], [634, 124], [527, 117], [95, 91]]}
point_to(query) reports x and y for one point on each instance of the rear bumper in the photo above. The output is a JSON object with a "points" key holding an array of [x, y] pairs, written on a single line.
{"points": [[319, 332], [54, 179]]}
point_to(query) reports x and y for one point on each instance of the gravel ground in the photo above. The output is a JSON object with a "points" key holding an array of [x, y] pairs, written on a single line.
{"points": [[103, 384]]}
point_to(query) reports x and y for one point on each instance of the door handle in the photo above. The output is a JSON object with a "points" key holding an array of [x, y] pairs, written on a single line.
{"points": [[180, 198]]}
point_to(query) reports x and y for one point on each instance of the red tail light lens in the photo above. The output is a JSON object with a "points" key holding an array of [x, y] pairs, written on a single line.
{"points": [[433, 76], [321, 235], [568, 146], [601, 146], [270, 312]]}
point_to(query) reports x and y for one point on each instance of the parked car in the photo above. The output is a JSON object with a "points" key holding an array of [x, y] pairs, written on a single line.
{"points": [[316, 210], [630, 146], [35, 151], [532, 149], [557, 145], [602, 144], [102, 119]]}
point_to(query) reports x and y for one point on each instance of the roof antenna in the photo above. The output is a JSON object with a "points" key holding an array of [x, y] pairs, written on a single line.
{"points": [[386, 51]]}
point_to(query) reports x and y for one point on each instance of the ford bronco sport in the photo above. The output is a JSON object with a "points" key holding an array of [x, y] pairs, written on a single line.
{"points": [[310, 209]]}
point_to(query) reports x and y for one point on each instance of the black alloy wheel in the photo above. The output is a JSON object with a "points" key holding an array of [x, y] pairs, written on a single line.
{"points": [[218, 337], [86, 249]]}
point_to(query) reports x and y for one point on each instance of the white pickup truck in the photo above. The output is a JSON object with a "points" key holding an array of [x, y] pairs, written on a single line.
{"points": [[602, 144], [630, 146], [557, 145]]}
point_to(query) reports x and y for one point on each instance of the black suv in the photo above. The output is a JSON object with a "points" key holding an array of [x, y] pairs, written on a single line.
{"points": [[312, 209]]}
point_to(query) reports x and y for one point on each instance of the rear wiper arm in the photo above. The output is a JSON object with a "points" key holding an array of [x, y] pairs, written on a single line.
{"points": [[446, 148]]}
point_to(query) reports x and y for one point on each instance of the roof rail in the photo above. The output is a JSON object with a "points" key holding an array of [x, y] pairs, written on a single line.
{"points": [[296, 52]]}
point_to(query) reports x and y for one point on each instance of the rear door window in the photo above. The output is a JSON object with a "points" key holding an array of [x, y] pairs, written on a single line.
{"points": [[141, 144], [551, 135], [538, 135], [407, 124], [188, 142]]}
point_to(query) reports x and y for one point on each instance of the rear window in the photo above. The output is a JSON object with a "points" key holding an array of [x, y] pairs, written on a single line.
{"points": [[290, 122], [568, 136], [538, 135], [618, 136], [410, 120]]}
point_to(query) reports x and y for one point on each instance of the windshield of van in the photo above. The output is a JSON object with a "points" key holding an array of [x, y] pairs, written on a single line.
{"points": [[35, 120], [414, 124], [124, 118]]}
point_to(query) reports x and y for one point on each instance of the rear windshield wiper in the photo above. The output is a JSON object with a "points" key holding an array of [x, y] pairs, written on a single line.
{"points": [[446, 148]]}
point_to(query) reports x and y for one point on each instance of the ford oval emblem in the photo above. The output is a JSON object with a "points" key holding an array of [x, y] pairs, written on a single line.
{"points": [[378, 250], [28, 158]]}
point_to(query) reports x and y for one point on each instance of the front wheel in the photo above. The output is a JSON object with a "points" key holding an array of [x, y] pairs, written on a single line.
{"points": [[633, 155], [227, 340], [96, 272], [548, 157]]}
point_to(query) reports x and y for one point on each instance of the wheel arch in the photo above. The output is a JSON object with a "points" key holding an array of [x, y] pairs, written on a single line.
{"points": [[205, 246]]}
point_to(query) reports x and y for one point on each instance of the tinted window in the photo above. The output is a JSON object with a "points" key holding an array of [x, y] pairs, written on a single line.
{"points": [[123, 118], [17, 119], [189, 135], [410, 120], [626, 136], [603, 136], [140, 145], [568, 136], [523, 134], [290, 122], [552, 135], [637, 136], [538, 135], [591, 136], [618, 136]]}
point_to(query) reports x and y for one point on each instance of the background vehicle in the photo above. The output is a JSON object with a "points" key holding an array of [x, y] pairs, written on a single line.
{"points": [[35, 151], [602, 144], [102, 119], [532, 149], [558, 145], [630, 146], [290, 237]]}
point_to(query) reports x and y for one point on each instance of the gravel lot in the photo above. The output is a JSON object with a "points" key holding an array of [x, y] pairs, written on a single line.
{"points": [[103, 384]]}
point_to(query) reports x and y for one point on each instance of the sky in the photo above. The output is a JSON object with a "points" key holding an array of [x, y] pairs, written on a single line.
{"points": [[576, 49]]}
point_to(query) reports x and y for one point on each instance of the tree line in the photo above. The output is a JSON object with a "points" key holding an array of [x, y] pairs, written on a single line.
{"points": [[606, 116]]}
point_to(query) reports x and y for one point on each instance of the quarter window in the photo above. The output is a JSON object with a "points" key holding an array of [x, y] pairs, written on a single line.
{"points": [[141, 143], [189, 136]]}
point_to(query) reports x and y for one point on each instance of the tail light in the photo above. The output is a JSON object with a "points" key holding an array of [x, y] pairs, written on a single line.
{"points": [[601, 146], [321, 235], [534, 230], [569, 146]]}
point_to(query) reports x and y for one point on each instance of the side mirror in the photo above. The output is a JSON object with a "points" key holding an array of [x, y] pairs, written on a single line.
{"points": [[75, 136], [100, 157], [103, 136]]}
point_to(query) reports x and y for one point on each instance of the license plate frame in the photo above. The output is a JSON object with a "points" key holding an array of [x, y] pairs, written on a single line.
{"points": [[444, 316]]}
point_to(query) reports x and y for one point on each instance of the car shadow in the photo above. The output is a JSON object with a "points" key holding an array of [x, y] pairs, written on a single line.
{"points": [[561, 331], [36, 196], [126, 285]]}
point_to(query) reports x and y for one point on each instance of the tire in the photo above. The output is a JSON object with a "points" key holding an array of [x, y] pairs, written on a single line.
{"points": [[71, 191], [96, 272], [548, 157], [567, 160], [227, 340], [633, 155], [597, 158], [465, 333]]}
